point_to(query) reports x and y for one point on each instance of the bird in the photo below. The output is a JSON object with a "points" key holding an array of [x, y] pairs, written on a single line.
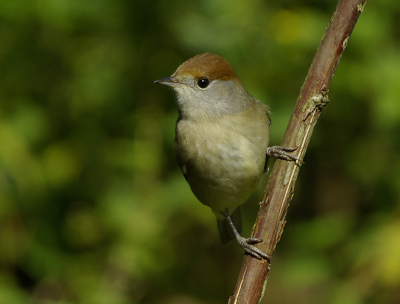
{"points": [[221, 141]]}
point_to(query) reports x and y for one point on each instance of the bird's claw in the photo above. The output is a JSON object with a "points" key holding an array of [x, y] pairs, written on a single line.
{"points": [[281, 152], [250, 249], [253, 240]]}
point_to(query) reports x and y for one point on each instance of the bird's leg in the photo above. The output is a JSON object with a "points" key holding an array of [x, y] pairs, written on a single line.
{"points": [[281, 152], [246, 242]]}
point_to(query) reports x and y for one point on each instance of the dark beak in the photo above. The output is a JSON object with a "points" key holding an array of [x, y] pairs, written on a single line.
{"points": [[169, 81]]}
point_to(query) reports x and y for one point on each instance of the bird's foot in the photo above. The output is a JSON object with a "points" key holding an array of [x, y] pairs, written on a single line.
{"points": [[246, 243], [281, 152]]}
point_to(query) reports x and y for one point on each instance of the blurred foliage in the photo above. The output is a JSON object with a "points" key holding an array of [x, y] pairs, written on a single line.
{"points": [[93, 208]]}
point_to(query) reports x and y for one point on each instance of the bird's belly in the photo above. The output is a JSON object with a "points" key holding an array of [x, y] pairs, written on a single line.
{"points": [[221, 173]]}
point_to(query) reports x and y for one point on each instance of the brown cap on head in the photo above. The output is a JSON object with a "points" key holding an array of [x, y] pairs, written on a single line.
{"points": [[207, 65]]}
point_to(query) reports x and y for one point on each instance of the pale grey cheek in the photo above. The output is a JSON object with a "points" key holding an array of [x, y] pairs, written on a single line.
{"points": [[185, 97], [219, 91], [191, 100], [215, 101], [215, 97]]}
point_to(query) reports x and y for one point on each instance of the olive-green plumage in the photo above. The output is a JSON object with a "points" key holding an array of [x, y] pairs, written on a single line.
{"points": [[221, 136]]}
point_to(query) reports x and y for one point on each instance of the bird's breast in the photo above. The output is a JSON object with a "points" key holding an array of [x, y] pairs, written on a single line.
{"points": [[222, 162]]}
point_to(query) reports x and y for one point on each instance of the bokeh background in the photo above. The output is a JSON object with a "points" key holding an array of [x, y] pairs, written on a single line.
{"points": [[93, 207]]}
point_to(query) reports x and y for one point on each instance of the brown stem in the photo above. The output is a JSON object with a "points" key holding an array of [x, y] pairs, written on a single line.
{"points": [[312, 98]]}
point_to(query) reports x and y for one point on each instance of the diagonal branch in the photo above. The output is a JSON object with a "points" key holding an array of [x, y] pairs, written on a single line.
{"points": [[312, 98]]}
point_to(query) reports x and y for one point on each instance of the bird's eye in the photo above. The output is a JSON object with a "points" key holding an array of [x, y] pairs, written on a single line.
{"points": [[203, 83]]}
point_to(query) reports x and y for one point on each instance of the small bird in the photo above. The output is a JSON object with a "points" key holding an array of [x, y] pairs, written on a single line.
{"points": [[221, 141]]}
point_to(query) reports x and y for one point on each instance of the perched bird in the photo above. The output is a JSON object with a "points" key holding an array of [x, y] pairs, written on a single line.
{"points": [[221, 141]]}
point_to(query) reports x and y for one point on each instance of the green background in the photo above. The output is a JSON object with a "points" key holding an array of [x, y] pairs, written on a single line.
{"points": [[93, 207]]}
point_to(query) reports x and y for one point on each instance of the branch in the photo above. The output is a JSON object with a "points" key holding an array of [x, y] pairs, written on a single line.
{"points": [[312, 98]]}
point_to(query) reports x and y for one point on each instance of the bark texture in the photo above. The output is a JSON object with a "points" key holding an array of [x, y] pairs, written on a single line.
{"points": [[313, 97]]}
